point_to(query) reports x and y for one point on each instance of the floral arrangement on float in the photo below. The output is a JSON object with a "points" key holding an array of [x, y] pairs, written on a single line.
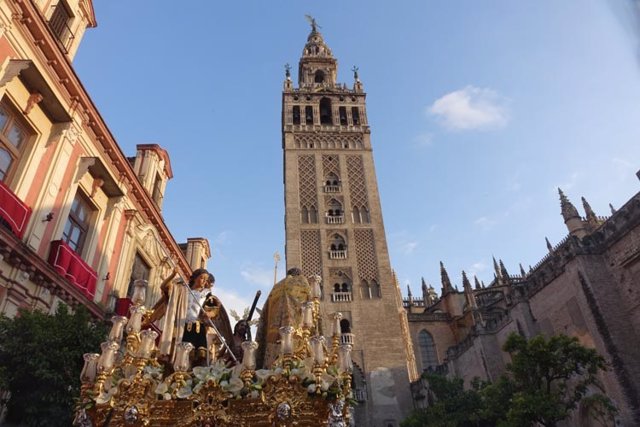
{"points": [[309, 384]]}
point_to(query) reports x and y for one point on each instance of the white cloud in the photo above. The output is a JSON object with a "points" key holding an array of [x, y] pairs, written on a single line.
{"points": [[232, 301], [471, 108], [263, 277], [476, 268], [568, 184], [485, 223], [409, 247], [423, 140]]}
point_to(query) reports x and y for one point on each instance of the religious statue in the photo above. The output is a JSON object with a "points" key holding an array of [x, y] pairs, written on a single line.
{"points": [[191, 313], [312, 21], [282, 308]]}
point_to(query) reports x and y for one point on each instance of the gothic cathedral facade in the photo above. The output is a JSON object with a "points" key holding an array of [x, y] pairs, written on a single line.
{"points": [[334, 228]]}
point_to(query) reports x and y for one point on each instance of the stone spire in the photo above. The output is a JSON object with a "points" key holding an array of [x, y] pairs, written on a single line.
{"points": [[613, 210], [522, 272], [572, 219], [477, 282], [504, 274], [446, 282], [496, 269], [409, 294], [468, 291], [549, 245], [568, 210]]}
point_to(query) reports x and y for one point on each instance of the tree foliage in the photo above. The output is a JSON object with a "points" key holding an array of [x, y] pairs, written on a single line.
{"points": [[41, 360], [545, 381]]}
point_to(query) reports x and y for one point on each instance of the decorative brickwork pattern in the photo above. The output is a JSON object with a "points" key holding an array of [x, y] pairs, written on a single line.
{"points": [[307, 182], [330, 165], [328, 140], [366, 255], [357, 186], [311, 252]]}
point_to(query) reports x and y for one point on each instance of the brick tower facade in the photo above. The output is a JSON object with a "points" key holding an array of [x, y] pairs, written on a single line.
{"points": [[334, 228]]}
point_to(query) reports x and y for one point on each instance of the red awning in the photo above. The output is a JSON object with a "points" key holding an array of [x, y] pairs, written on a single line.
{"points": [[69, 264], [13, 210]]}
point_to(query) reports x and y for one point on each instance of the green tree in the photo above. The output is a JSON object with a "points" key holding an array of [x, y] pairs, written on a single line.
{"points": [[550, 378], [545, 381], [41, 360]]}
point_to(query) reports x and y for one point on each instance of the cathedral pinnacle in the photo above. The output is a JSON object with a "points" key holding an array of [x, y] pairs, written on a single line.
{"points": [[591, 215], [465, 282], [549, 245], [496, 269], [504, 273], [446, 282], [613, 210], [477, 282], [568, 210], [424, 285]]}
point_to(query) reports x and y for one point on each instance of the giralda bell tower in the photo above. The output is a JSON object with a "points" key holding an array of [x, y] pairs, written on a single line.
{"points": [[334, 228]]}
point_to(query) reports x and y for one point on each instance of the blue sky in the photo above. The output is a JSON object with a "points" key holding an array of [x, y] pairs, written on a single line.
{"points": [[479, 110]]}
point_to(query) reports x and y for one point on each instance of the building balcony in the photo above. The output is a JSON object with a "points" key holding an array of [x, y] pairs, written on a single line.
{"points": [[341, 297], [335, 219], [347, 338], [13, 211], [332, 188], [69, 265], [338, 254]]}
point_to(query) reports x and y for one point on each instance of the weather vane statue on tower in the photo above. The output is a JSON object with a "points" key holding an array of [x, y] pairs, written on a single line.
{"points": [[312, 21]]}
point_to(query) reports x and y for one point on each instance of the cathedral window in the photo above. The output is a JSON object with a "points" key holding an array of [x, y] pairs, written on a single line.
{"points": [[342, 111], [355, 215], [428, 355], [377, 291], [325, 112], [313, 215], [304, 215], [319, 76], [308, 115], [296, 114], [345, 326], [355, 116]]}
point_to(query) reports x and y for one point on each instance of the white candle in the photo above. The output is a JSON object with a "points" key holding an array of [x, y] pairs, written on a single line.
{"points": [[139, 292], [307, 314], [249, 356], [336, 323], [118, 327], [135, 322], [286, 339], [106, 359], [317, 343], [344, 356], [88, 373], [147, 342], [181, 362]]}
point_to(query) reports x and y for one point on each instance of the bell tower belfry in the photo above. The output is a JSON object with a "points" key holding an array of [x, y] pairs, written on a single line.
{"points": [[334, 228]]}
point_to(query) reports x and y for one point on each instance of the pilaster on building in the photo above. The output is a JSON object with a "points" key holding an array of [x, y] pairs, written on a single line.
{"points": [[334, 227], [80, 221]]}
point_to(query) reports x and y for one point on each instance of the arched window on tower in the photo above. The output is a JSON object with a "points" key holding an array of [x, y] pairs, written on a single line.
{"points": [[304, 215], [334, 215], [308, 115], [319, 76], [332, 183], [364, 215], [296, 114], [342, 111], [356, 215], [313, 215], [325, 112], [355, 116], [365, 290], [377, 291], [338, 247], [428, 354]]}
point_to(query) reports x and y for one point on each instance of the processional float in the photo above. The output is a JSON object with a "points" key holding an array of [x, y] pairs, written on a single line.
{"points": [[308, 384]]}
